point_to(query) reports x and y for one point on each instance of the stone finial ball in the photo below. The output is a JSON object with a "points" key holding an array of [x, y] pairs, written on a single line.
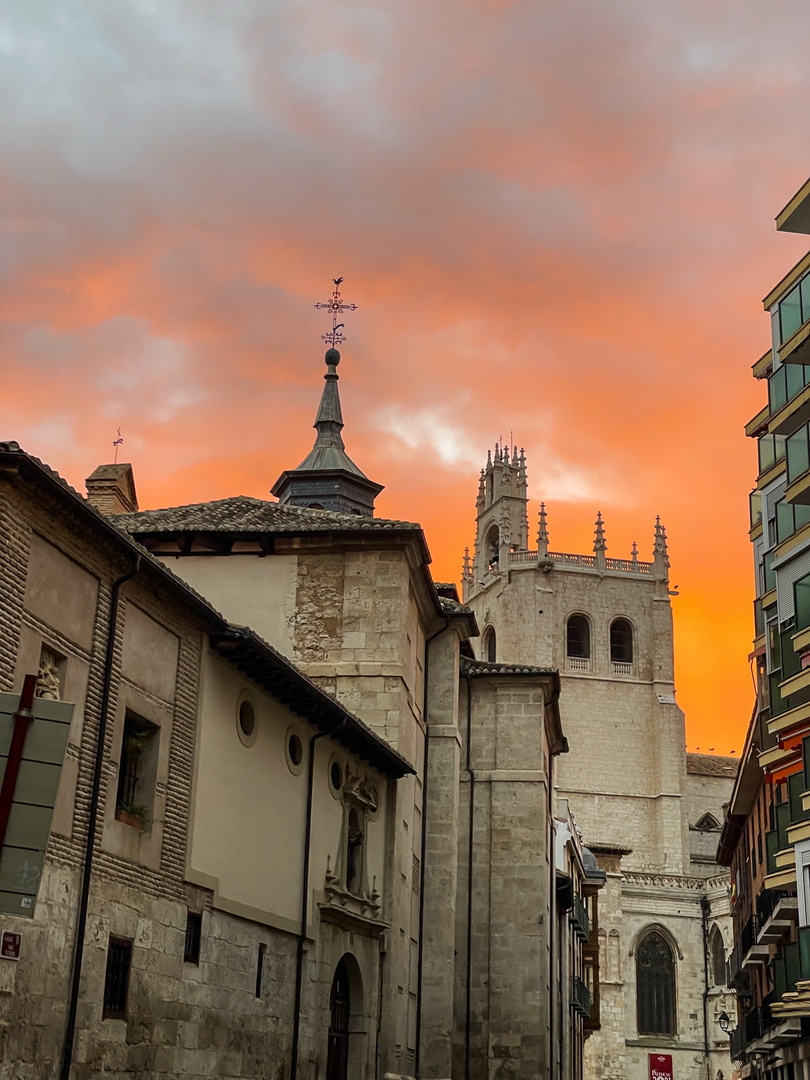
{"points": [[332, 357]]}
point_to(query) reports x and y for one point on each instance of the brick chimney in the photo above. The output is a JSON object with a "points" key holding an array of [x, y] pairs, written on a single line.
{"points": [[111, 489]]}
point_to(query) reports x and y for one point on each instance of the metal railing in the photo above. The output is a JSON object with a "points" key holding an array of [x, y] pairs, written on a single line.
{"points": [[579, 918], [581, 999]]}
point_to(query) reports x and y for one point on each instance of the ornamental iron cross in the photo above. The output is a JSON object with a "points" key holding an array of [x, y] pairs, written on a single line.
{"points": [[336, 306]]}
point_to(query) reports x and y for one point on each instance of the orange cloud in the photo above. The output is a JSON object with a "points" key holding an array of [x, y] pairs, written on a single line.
{"points": [[555, 221]]}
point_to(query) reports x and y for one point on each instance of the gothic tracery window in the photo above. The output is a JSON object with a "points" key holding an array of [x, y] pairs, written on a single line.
{"points": [[717, 958], [655, 985]]}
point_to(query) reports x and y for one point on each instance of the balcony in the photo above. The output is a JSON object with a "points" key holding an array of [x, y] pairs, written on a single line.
{"points": [[777, 912], [736, 1044], [795, 218], [580, 997], [752, 952], [771, 452], [789, 303], [579, 919], [791, 985], [789, 398]]}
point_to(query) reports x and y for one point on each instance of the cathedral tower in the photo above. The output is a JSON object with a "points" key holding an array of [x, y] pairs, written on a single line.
{"points": [[501, 522]]}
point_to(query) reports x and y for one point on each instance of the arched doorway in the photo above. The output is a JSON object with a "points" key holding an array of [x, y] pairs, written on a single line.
{"points": [[337, 1059]]}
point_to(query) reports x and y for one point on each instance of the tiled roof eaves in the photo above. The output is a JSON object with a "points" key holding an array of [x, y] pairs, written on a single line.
{"points": [[12, 455], [484, 667], [272, 670], [712, 765], [368, 744]]}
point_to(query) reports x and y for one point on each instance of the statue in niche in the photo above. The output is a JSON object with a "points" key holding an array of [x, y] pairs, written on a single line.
{"points": [[48, 676]]}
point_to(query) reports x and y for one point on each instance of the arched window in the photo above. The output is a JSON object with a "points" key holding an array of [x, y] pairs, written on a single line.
{"points": [[578, 637], [655, 985], [717, 958], [492, 547], [621, 642], [489, 645]]}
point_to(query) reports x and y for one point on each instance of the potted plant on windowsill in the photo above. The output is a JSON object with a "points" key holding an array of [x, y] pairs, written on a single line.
{"points": [[134, 814]]}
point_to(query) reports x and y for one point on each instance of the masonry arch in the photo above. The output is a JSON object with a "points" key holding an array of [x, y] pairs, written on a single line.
{"points": [[489, 645], [347, 1021], [622, 641], [717, 957], [492, 547], [656, 983], [578, 636]]}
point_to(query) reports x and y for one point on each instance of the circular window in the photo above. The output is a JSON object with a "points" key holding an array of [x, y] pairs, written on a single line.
{"points": [[295, 748], [336, 776], [246, 726], [294, 751]]}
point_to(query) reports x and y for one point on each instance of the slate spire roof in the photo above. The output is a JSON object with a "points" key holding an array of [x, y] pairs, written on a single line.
{"points": [[327, 478]]}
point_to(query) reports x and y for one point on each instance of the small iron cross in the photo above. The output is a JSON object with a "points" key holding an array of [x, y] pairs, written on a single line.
{"points": [[336, 306]]}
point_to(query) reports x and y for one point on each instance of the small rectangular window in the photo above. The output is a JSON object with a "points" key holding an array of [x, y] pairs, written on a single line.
{"points": [[191, 952], [134, 798], [259, 970], [116, 980]]}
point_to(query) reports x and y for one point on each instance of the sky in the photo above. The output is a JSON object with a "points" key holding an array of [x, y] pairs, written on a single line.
{"points": [[556, 221]]}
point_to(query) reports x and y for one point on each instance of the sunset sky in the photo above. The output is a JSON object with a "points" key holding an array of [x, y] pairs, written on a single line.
{"points": [[556, 220]]}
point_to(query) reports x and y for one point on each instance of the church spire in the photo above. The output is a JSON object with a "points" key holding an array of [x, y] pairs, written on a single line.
{"points": [[327, 478]]}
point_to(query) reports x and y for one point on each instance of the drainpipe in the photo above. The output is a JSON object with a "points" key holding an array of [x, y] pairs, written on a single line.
{"points": [[704, 913], [468, 989], [552, 908], [425, 755], [81, 925], [302, 937]]}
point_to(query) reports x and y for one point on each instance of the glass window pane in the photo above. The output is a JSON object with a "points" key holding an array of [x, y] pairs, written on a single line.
{"points": [[777, 389], [790, 313], [755, 499], [766, 455], [784, 521], [795, 379], [798, 460], [805, 293], [769, 573], [801, 515], [779, 447], [802, 595]]}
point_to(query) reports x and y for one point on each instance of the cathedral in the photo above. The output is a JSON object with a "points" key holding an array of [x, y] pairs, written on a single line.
{"points": [[650, 812], [292, 808]]}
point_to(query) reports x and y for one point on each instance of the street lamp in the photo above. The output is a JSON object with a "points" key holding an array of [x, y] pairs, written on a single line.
{"points": [[724, 1020]]}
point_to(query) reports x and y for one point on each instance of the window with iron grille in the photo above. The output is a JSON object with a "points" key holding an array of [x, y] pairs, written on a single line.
{"points": [[191, 952], [655, 986], [116, 980], [139, 742], [416, 877]]}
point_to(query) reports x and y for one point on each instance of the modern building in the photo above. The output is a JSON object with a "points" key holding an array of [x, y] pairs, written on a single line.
{"points": [[766, 836], [649, 812]]}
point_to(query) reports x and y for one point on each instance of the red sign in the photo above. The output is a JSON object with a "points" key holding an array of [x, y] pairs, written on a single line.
{"points": [[10, 946], [661, 1067]]}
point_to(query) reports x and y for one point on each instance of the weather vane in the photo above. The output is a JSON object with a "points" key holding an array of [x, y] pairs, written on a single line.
{"points": [[336, 306], [116, 443]]}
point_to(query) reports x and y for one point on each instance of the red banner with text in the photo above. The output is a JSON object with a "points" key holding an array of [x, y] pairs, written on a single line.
{"points": [[661, 1067]]}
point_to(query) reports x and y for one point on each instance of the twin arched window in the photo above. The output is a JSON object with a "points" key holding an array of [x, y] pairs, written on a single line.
{"points": [[655, 985], [578, 639]]}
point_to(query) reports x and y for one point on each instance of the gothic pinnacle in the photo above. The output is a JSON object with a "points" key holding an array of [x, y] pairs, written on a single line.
{"points": [[599, 543]]}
